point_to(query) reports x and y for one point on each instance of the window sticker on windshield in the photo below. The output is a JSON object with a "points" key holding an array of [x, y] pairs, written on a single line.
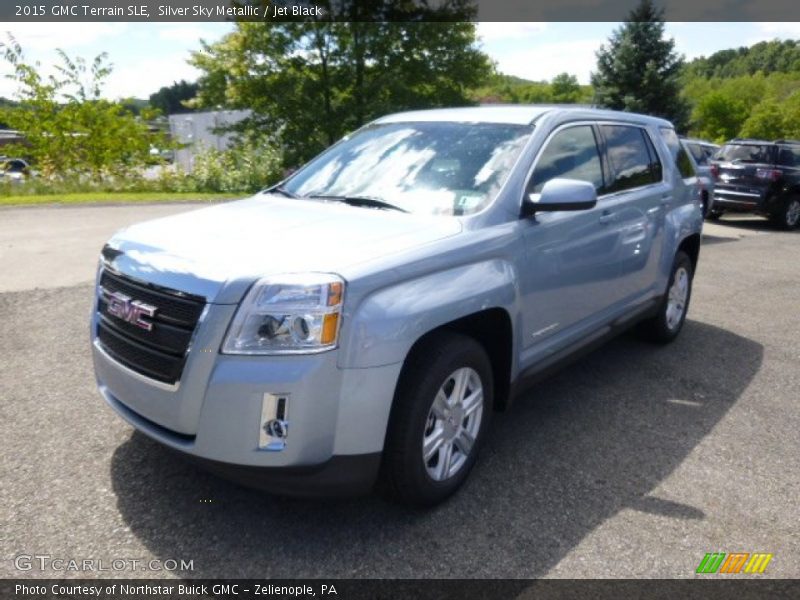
{"points": [[468, 201]]}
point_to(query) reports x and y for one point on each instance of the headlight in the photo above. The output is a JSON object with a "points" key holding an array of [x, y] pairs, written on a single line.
{"points": [[288, 314]]}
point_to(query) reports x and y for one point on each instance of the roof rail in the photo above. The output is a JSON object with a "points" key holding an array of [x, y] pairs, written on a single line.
{"points": [[786, 142]]}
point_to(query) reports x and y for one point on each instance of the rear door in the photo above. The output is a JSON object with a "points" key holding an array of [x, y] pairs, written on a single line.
{"points": [[637, 199]]}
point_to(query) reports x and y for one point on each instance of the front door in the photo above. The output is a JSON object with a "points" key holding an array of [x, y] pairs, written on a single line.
{"points": [[571, 267]]}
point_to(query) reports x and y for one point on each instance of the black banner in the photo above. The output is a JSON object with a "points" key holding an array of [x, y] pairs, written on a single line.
{"points": [[741, 588], [387, 10]]}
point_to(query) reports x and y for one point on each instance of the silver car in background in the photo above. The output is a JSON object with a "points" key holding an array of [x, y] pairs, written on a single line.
{"points": [[701, 152]]}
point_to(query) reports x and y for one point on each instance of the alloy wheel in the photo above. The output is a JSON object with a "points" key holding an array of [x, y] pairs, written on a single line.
{"points": [[678, 295], [453, 423]]}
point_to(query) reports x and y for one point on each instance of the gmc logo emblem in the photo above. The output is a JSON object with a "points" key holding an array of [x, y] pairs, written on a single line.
{"points": [[132, 311]]}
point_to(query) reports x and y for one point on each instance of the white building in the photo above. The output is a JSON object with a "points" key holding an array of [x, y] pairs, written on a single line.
{"points": [[194, 131]]}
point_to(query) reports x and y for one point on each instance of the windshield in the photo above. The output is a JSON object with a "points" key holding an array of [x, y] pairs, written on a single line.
{"points": [[423, 167], [752, 153]]}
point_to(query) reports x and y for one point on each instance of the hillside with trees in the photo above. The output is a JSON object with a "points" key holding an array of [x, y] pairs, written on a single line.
{"points": [[745, 92], [766, 57], [563, 89]]}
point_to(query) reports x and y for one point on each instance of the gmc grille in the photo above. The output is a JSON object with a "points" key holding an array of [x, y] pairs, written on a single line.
{"points": [[159, 353]]}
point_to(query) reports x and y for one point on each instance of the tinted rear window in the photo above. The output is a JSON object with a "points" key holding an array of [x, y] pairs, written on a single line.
{"points": [[698, 153], [630, 158], [750, 153]]}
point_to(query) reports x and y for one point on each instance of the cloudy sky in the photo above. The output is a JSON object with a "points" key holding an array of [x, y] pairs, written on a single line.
{"points": [[147, 56]]}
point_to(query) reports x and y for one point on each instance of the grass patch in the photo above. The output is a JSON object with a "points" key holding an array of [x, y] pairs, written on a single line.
{"points": [[115, 198]]}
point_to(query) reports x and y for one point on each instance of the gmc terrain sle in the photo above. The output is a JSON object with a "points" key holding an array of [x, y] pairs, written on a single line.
{"points": [[361, 321]]}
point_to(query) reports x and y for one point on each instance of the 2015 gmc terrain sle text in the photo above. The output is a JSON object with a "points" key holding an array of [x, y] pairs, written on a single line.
{"points": [[361, 321]]}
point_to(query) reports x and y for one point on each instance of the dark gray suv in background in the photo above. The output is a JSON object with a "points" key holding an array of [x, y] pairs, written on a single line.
{"points": [[759, 177]]}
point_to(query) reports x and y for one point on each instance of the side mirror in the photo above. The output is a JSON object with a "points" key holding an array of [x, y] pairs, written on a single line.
{"points": [[561, 194]]}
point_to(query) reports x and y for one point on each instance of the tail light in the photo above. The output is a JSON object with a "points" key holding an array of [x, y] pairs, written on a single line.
{"points": [[769, 174], [715, 171]]}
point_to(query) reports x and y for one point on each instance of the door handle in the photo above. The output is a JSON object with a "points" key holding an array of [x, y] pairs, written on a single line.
{"points": [[606, 217], [666, 200]]}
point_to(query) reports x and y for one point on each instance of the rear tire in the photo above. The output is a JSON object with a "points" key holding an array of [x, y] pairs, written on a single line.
{"points": [[442, 408], [668, 322], [788, 217]]}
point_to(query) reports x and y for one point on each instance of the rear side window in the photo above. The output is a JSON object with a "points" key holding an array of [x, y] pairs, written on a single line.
{"points": [[679, 155], [571, 154], [655, 162], [698, 153], [789, 156], [710, 152], [632, 163]]}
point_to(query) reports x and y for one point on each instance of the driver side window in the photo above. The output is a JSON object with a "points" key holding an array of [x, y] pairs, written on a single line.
{"points": [[570, 154]]}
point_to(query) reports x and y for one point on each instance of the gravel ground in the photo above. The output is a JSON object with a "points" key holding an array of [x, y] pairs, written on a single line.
{"points": [[633, 462]]}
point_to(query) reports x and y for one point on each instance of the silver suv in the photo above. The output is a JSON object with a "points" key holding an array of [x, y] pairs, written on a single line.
{"points": [[361, 321]]}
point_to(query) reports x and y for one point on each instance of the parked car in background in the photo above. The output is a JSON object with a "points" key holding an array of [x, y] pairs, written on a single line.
{"points": [[364, 319], [701, 150], [759, 177], [700, 153], [14, 169]]}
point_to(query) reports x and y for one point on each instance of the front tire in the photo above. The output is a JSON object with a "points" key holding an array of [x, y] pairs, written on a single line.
{"points": [[668, 322], [440, 416], [714, 214]]}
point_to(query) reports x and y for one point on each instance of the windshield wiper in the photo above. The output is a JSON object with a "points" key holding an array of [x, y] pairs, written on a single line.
{"points": [[366, 201], [277, 189]]}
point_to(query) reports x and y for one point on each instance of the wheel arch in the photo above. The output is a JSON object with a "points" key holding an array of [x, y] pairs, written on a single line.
{"points": [[691, 245], [492, 329]]}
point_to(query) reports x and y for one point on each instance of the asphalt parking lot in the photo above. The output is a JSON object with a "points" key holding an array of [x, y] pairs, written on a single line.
{"points": [[633, 462]]}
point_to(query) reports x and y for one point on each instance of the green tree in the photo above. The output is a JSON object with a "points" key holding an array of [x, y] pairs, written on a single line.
{"points": [[719, 117], [69, 129], [639, 69], [766, 121], [566, 89], [172, 99], [791, 116], [310, 83]]}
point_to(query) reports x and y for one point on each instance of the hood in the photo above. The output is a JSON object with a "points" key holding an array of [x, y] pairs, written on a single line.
{"points": [[217, 252]]}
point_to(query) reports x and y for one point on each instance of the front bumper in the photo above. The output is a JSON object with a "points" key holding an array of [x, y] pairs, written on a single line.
{"points": [[337, 417], [348, 475]]}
